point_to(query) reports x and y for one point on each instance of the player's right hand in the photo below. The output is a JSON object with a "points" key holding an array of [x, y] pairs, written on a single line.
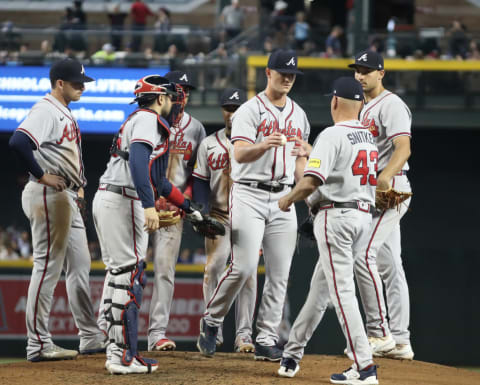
{"points": [[301, 148], [152, 222], [54, 181], [273, 140]]}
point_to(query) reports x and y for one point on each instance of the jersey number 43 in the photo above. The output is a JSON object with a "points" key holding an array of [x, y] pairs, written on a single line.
{"points": [[363, 164]]}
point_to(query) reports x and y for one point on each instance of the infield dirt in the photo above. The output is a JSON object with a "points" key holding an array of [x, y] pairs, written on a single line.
{"points": [[226, 369]]}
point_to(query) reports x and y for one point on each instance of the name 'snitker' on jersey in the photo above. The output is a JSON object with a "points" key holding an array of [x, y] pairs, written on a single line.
{"points": [[360, 137], [268, 128]]}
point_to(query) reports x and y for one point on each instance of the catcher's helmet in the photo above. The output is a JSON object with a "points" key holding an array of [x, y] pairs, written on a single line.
{"points": [[153, 85]]}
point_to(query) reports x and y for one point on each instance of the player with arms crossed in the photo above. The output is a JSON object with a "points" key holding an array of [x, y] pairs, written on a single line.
{"points": [[389, 120], [342, 201], [211, 187], [263, 169], [124, 208], [185, 137], [49, 142]]}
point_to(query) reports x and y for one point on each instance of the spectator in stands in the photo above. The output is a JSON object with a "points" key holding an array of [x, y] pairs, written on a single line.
{"points": [[105, 55], [232, 18], [117, 21], [199, 257], [301, 30], [458, 44], [185, 257], [139, 12], [7, 251], [80, 18], [162, 27], [333, 45], [377, 44], [474, 51], [24, 245]]}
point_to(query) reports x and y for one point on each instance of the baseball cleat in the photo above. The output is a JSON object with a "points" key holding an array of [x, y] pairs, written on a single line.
{"points": [[351, 376], [164, 345], [207, 340], [400, 352], [244, 344], [54, 353], [381, 345], [288, 368], [139, 365], [268, 353]]}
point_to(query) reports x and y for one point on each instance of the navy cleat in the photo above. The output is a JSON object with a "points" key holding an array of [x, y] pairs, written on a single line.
{"points": [[367, 376], [267, 353], [288, 368], [207, 340]]}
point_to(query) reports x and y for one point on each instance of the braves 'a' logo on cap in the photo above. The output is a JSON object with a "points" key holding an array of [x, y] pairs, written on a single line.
{"points": [[83, 70], [291, 62], [235, 96], [184, 78], [363, 58]]}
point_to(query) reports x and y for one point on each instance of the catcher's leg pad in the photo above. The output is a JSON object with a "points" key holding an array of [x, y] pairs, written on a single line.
{"points": [[126, 301]]}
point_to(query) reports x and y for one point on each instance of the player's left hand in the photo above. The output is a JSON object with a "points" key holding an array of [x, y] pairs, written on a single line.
{"points": [[284, 203]]}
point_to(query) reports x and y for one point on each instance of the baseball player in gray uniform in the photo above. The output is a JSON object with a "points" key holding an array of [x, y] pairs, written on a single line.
{"points": [[185, 138], [211, 187], [135, 176], [341, 170], [263, 136], [389, 120], [49, 142]]}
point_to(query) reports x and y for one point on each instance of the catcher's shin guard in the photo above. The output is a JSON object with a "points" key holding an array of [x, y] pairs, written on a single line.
{"points": [[128, 285]]}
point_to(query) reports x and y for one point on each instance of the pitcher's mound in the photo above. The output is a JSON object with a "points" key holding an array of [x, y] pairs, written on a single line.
{"points": [[226, 369]]}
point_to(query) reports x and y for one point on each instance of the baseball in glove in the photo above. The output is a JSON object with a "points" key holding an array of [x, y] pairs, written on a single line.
{"points": [[390, 199], [168, 213]]}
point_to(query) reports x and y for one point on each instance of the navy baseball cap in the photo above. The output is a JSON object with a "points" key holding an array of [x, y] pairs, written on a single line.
{"points": [[180, 77], [233, 97], [70, 70], [347, 87], [284, 61], [369, 59]]}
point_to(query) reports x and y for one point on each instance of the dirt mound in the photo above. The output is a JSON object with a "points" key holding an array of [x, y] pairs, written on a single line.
{"points": [[226, 368]]}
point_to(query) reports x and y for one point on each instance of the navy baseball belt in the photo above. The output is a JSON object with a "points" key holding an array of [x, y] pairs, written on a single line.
{"points": [[362, 206], [124, 191], [267, 187]]}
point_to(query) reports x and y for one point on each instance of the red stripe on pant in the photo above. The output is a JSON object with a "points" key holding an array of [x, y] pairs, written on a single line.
{"points": [[371, 274], [133, 232], [338, 297], [44, 271]]}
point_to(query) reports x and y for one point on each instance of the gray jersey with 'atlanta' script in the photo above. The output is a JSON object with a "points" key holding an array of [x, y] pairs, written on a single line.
{"points": [[55, 132], [253, 122]]}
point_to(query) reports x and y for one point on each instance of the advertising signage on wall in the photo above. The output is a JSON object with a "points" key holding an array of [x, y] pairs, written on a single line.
{"points": [[101, 110]]}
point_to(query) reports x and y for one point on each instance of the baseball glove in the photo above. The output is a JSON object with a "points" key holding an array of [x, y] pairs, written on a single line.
{"points": [[205, 224], [390, 199], [168, 213]]}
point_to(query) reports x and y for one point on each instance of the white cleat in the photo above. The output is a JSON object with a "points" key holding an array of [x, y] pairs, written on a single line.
{"points": [[135, 367], [54, 353], [400, 352], [381, 345]]}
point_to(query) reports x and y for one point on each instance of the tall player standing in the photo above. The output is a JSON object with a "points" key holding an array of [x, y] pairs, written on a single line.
{"points": [[389, 120], [134, 177], [341, 171], [211, 187], [263, 135], [185, 138], [49, 142]]}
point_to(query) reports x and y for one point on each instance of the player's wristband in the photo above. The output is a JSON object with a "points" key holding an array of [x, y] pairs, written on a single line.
{"points": [[176, 197]]}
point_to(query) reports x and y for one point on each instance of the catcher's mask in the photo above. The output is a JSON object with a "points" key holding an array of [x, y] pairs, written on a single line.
{"points": [[178, 105]]}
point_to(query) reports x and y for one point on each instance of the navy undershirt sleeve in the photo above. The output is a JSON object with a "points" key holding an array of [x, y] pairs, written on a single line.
{"points": [[24, 147], [139, 158], [201, 192]]}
